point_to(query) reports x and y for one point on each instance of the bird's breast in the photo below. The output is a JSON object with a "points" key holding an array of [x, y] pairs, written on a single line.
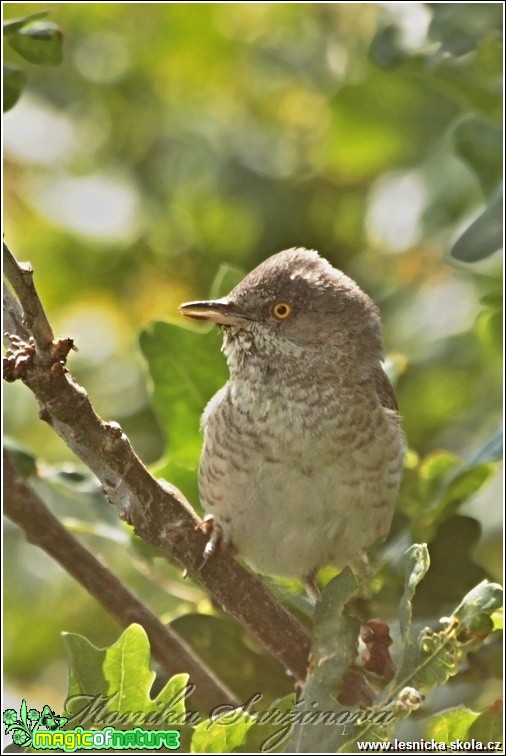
{"points": [[297, 480], [311, 426]]}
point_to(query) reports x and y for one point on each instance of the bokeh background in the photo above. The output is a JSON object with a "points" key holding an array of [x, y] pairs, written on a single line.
{"points": [[180, 144]]}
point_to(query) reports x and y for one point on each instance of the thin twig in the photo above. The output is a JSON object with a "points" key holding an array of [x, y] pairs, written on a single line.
{"points": [[13, 317], [42, 528], [21, 277], [158, 511]]}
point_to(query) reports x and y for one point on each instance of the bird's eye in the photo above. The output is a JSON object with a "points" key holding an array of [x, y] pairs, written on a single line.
{"points": [[282, 310]]}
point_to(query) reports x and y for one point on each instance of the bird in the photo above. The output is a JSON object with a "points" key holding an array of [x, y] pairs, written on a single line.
{"points": [[303, 447]]}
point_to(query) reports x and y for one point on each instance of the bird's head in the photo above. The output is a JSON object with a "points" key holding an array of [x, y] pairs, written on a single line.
{"points": [[295, 305]]}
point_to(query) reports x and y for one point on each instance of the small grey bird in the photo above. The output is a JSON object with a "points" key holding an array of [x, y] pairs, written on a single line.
{"points": [[303, 449]]}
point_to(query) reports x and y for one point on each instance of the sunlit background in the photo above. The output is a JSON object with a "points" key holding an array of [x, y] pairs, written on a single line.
{"points": [[177, 137]]}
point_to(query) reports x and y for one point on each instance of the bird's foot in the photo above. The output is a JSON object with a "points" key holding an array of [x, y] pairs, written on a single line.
{"points": [[216, 538], [311, 586]]}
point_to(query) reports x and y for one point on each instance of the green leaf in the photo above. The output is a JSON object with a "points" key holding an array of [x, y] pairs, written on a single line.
{"points": [[497, 618], [121, 675], [23, 460], [488, 727], [437, 465], [440, 484], [225, 734], [484, 236], [493, 300], [187, 368], [434, 470], [465, 484], [328, 620], [271, 728], [480, 143], [451, 725], [458, 27], [438, 655], [435, 488], [430, 663], [475, 611], [14, 81], [465, 725], [241, 731], [489, 329], [9, 27], [86, 672], [434, 658], [385, 49], [417, 564], [126, 669], [40, 43], [333, 651]]}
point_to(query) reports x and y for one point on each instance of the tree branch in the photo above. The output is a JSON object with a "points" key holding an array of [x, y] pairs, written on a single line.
{"points": [[43, 529], [158, 511], [21, 277], [13, 317]]}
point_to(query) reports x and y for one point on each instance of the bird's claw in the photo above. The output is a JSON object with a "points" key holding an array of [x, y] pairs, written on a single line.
{"points": [[216, 538]]}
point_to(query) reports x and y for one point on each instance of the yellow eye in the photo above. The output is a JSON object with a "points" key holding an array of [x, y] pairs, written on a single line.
{"points": [[282, 310]]}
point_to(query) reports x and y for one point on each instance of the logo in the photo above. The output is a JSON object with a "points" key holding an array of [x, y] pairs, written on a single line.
{"points": [[42, 730], [24, 728]]}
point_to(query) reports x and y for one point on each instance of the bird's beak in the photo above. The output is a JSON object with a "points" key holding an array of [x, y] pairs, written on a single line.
{"points": [[219, 311]]}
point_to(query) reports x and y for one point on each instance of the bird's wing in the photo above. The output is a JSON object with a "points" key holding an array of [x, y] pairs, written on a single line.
{"points": [[384, 389]]}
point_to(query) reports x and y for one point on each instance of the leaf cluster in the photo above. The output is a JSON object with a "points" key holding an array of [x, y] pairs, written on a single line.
{"points": [[36, 41]]}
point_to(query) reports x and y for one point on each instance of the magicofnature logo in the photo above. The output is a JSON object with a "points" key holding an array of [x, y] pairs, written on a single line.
{"points": [[25, 729], [25, 726]]}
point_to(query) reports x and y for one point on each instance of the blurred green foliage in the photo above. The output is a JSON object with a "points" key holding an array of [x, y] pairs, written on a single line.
{"points": [[37, 42], [175, 138]]}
